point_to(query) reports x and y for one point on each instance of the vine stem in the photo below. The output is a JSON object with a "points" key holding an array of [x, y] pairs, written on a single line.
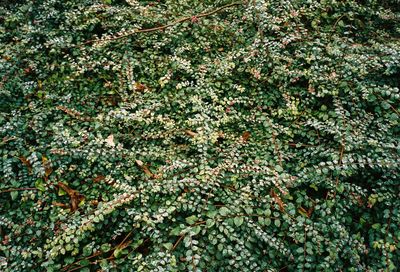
{"points": [[7, 139], [184, 19], [386, 235], [337, 21], [393, 109], [305, 248], [177, 242], [18, 189]]}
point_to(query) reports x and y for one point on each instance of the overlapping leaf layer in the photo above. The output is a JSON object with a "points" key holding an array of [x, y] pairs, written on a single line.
{"points": [[199, 135]]}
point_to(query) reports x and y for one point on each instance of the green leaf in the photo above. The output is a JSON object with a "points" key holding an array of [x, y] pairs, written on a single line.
{"points": [[314, 186], [117, 252], [212, 213], [84, 262], [61, 192], [238, 221], [191, 219], [176, 231], [136, 244], [196, 230], [40, 185], [168, 246], [278, 168], [376, 226], [210, 223], [69, 247], [105, 247], [385, 105], [14, 194], [87, 250], [69, 260], [340, 188]]}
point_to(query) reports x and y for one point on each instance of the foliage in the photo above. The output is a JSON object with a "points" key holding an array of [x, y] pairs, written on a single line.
{"points": [[199, 135]]}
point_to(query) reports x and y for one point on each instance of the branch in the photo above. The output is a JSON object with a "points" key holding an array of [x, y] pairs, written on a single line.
{"points": [[177, 242], [393, 109], [386, 235], [7, 139], [143, 30], [18, 189]]}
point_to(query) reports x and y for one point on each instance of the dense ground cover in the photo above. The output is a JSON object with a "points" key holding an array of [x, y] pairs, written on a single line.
{"points": [[199, 135]]}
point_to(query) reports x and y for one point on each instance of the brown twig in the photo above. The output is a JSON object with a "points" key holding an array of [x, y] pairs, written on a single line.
{"points": [[74, 113], [341, 151], [7, 139], [386, 234], [337, 21], [123, 244], [76, 268], [301, 145], [392, 108], [342, 147], [94, 255], [188, 18], [177, 242], [18, 189], [97, 253], [276, 146], [305, 247]]}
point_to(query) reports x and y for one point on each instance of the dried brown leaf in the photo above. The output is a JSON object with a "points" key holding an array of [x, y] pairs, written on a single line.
{"points": [[47, 167], [98, 178], [144, 168], [246, 136], [75, 196], [190, 133], [26, 163], [140, 87], [278, 200]]}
